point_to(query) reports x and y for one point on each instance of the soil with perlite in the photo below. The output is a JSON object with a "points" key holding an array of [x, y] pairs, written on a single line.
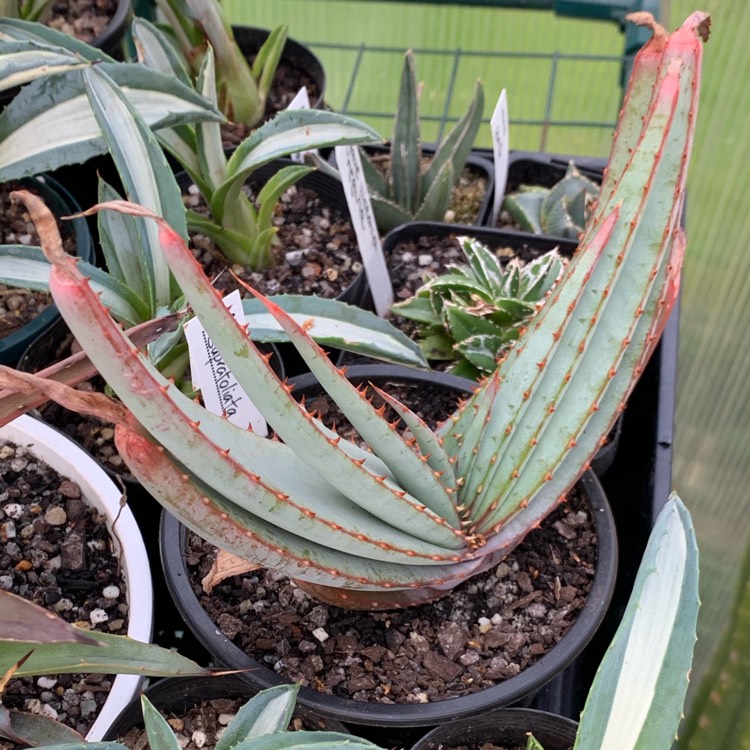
{"points": [[487, 630], [57, 552]]}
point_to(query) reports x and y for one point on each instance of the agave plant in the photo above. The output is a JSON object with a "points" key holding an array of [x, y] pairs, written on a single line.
{"points": [[560, 211], [30, 10], [408, 191], [242, 88], [243, 230], [472, 313], [410, 520]]}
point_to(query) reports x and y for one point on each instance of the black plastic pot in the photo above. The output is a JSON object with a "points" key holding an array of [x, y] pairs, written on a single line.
{"points": [[533, 168], [111, 39], [250, 39], [476, 162], [515, 689], [174, 696], [61, 203], [507, 727]]}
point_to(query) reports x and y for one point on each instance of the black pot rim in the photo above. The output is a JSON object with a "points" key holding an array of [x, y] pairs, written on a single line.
{"points": [[114, 31], [176, 694], [61, 202], [296, 53], [173, 537], [504, 725]]}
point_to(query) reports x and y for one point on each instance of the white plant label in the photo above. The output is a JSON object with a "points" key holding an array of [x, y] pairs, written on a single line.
{"points": [[500, 149], [358, 199], [301, 101], [221, 392]]}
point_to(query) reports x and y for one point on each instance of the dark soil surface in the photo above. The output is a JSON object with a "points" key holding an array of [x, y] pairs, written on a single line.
{"points": [[287, 82], [201, 727], [316, 252], [487, 630], [83, 19], [57, 552], [467, 194], [19, 306]]}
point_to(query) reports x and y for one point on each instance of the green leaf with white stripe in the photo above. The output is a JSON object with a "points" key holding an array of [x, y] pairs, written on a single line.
{"points": [[146, 176], [15, 29], [335, 324], [155, 51], [26, 267], [50, 123], [269, 712], [22, 62], [637, 697]]}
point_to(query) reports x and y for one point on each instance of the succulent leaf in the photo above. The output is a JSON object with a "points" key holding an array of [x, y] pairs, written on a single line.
{"points": [[406, 147], [635, 702]]}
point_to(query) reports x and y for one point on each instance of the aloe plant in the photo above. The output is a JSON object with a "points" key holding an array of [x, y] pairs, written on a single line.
{"points": [[472, 313], [560, 211], [242, 88], [408, 191], [410, 520]]}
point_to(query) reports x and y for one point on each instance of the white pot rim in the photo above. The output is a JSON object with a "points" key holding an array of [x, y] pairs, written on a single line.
{"points": [[72, 462]]}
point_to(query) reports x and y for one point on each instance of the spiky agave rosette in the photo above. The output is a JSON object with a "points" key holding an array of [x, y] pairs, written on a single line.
{"points": [[410, 520]]}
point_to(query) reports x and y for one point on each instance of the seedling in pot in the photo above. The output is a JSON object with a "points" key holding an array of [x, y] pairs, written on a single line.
{"points": [[35, 642], [243, 88], [29, 10], [472, 313], [408, 191], [411, 520], [560, 211], [138, 286]]}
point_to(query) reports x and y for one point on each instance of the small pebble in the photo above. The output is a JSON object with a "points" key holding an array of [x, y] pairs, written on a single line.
{"points": [[88, 706], [55, 516], [13, 510], [485, 625], [110, 592], [424, 260], [199, 738], [320, 634], [6, 582], [46, 683], [8, 530], [225, 719], [98, 616]]}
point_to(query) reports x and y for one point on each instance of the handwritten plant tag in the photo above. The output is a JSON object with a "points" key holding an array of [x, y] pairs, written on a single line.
{"points": [[358, 199], [221, 392], [301, 101], [500, 150]]}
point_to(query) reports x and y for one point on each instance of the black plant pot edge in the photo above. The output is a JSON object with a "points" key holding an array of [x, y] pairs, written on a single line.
{"points": [[112, 36], [476, 159], [174, 695], [173, 537], [61, 202], [251, 38], [507, 726]]}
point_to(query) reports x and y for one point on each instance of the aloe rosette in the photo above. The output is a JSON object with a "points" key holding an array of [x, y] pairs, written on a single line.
{"points": [[412, 518]]}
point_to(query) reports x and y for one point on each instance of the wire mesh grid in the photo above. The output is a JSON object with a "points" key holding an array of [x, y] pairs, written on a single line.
{"points": [[540, 121]]}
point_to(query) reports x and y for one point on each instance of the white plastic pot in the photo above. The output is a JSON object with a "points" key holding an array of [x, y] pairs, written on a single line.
{"points": [[70, 461]]}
